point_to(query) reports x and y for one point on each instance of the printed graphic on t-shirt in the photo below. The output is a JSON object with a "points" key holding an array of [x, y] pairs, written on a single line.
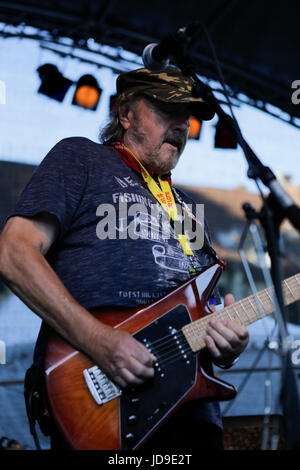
{"points": [[168, 257], [126, 181], [103, 256]]}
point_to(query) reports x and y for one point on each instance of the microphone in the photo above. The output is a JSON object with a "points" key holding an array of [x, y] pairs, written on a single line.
{"points": [[153, 60], [156, 56]]}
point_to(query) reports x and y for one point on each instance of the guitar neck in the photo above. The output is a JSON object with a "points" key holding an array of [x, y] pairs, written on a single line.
{"points": [[244, 311]]}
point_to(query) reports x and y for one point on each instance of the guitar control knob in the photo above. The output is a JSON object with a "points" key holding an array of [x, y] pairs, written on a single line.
{"points": [[131, 419], [129, 437], [135, 402]]}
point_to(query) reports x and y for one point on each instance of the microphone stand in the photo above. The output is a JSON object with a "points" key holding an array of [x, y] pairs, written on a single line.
{"points": [[275, 208]]}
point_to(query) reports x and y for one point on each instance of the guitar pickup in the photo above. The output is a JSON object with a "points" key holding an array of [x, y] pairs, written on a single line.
{"points": [[100, 386]]}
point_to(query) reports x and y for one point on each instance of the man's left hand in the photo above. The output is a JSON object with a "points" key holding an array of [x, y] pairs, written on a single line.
{"points": [[226, 339]]}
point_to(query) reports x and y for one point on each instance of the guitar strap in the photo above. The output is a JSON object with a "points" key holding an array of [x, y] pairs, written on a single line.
{"points": [[36, 402]]}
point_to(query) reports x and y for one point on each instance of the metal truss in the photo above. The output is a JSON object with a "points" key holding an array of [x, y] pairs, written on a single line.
{"points": [[87, 22]]}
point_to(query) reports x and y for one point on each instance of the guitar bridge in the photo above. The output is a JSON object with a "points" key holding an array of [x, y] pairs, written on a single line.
{"points": [[101, 387]]}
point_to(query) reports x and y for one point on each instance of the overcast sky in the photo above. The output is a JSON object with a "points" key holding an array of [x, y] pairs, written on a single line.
{"points": [[32, 123]]}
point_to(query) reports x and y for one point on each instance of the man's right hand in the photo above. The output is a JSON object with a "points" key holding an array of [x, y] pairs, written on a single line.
{"points": [[127, 361]]}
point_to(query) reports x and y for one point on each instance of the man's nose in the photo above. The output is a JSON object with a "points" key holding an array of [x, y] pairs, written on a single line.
{"points": [[181, 123]]}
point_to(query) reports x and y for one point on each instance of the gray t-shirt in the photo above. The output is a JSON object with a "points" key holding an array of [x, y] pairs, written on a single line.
{"points": [[110, 250]]}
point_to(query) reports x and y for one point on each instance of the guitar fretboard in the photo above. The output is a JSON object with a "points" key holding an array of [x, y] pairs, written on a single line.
{"points": [[245, 311]]}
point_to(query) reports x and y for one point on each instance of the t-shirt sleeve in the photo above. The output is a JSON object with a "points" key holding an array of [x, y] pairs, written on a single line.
{"points": [[58, 183]]}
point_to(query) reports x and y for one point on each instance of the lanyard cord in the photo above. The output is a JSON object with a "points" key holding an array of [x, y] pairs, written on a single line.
{"points": [[163, 194], [206, 240]]}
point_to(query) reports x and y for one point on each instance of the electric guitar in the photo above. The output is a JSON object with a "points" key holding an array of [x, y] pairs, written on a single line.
{"points": [[94, 413]]}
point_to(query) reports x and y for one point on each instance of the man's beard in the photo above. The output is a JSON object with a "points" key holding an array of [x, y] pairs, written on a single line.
{"points": [[162, 166], [154, 160]]}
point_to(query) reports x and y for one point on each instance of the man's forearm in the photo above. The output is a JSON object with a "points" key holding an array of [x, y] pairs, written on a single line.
{"points": [[29, 275]]}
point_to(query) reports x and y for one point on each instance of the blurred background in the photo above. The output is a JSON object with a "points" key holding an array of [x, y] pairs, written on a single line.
{"points": [[58, 65]]}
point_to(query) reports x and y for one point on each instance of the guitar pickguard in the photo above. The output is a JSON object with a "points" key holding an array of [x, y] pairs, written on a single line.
{"points": [[143, 407]]}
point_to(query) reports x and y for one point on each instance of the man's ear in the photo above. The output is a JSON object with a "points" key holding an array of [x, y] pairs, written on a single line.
{"points": [[125, 115]]}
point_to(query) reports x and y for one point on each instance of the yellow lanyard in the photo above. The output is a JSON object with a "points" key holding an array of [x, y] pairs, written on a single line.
{"points": [[164, 195]]}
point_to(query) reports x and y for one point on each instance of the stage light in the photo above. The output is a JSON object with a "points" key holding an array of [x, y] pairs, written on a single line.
{"points": [[87, 93], [54, 84], [224, 137], [195, 128]]}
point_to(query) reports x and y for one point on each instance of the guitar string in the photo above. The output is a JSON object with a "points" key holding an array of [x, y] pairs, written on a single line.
{"points": [[177, 356], [188, 352], [199, 325], [168, 358], [226, 312], [164, 346], [176, 351], [160, 348], [165, 342], [163, 350]]}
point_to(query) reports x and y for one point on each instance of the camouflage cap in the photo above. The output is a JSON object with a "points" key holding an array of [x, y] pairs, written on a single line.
{"points": [[169, 86]]}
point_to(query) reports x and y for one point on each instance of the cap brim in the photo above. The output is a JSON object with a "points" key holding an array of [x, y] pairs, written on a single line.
{"points": [[199, 108], [202, 110]]}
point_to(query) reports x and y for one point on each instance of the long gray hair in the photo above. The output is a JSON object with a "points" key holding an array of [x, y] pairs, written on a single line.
{"points": [[113, 131]]}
